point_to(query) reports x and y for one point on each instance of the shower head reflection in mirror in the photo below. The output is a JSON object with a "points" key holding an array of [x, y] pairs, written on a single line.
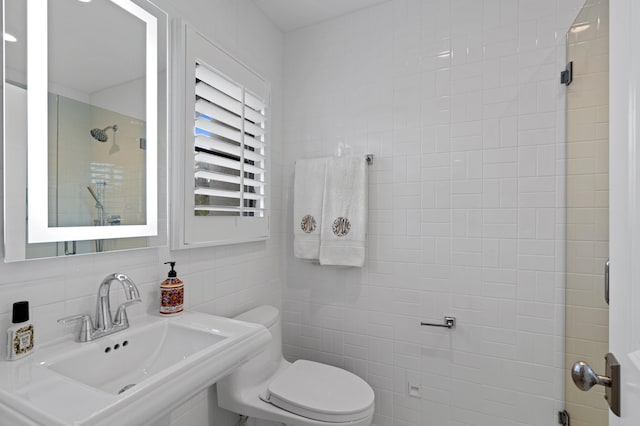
{"points": [[101, 134]]}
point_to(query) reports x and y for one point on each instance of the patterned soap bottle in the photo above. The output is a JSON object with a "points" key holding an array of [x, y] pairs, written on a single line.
{"points": [[20, 341], [171, 293]]}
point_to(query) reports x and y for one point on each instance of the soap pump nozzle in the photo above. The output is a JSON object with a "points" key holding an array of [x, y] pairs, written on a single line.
{"points": [[172, 272]]}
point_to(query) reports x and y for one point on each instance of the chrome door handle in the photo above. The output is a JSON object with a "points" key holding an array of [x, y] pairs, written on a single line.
{"points": [[585, 378]]}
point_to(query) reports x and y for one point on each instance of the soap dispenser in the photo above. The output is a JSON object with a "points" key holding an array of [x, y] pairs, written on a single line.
{"points": [[171, 293], [20, 341]]}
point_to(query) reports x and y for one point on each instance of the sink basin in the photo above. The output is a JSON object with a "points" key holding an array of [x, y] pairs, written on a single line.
{"points": [[134, 357], [128, 378]]}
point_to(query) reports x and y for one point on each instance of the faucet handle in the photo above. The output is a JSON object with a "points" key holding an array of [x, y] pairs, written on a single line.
{"points": [[86, 327], [121, 313]]}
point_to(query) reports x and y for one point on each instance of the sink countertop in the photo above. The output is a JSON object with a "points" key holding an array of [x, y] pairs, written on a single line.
{"points": [[32, 393]]}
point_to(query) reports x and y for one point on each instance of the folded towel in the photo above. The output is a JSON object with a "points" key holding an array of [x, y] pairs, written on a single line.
{"points": [[344, 212], [307, 207]]}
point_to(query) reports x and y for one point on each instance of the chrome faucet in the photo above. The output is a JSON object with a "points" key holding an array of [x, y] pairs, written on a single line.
{"points": [[105, 323]]}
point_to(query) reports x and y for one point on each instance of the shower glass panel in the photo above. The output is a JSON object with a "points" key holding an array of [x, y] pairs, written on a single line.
{"points": [[587, 238], [97, 167], [96, 172]]}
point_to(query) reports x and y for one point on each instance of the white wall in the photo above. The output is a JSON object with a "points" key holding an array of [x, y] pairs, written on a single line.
{"points": [[222, 280], [461, 104]]}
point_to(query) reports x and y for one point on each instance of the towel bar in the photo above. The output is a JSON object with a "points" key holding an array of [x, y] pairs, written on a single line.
{"points": [[449, 322]]}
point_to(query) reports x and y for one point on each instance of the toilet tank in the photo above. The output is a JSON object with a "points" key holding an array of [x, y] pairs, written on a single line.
{"points": [[267, 362]]}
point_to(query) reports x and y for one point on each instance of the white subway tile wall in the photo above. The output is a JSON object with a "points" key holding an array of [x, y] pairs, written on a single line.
{"points": [[461, 104]]}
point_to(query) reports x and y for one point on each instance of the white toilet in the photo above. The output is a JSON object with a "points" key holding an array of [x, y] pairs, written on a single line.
{"points": [[272, 390]]}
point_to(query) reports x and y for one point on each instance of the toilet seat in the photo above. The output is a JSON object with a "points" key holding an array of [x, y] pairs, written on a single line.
{"points": [[321, 392]]}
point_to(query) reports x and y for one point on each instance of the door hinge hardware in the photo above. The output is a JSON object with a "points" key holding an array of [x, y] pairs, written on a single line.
{"points": [[566, 76], [607, 265], [563, 418]]}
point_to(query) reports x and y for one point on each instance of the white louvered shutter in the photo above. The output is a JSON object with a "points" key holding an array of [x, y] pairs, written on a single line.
{"points": [[229, 147], [226, 149]]}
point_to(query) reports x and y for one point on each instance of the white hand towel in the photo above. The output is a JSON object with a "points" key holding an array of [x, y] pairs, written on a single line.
{"points": [[344, 212], [307, 207]]}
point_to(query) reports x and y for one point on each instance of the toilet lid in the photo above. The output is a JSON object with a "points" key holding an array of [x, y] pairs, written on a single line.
{"points": [[321, 392]]}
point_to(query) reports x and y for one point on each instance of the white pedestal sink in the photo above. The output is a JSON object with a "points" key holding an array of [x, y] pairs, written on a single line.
{"points": [[132, 377]]}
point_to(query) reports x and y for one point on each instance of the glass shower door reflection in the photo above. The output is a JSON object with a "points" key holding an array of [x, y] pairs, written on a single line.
{"points": [[587, 202]]}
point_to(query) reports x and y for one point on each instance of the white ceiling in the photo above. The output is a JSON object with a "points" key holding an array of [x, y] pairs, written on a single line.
{"points": [[105, 54], [289, 15], [92, 46]]}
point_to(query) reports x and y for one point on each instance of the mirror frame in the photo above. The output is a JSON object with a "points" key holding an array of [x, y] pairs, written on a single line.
{"points": [[39, 230]]}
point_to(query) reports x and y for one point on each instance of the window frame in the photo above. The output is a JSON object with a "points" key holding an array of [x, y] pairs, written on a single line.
{"points": [[187, 229]]}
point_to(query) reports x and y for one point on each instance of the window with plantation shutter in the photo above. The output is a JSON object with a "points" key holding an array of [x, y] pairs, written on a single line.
{"points": [[224, 150], [229, 147]]}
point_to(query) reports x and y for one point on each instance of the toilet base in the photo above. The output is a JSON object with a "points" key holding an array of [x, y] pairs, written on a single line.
{"points": [[260, 422]]}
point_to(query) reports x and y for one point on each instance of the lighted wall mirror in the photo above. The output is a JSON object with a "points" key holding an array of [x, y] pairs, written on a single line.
{"points": [[84, 117]]}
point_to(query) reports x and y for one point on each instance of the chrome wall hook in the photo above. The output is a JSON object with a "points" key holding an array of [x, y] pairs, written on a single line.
{"points": [[369, 159]]}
